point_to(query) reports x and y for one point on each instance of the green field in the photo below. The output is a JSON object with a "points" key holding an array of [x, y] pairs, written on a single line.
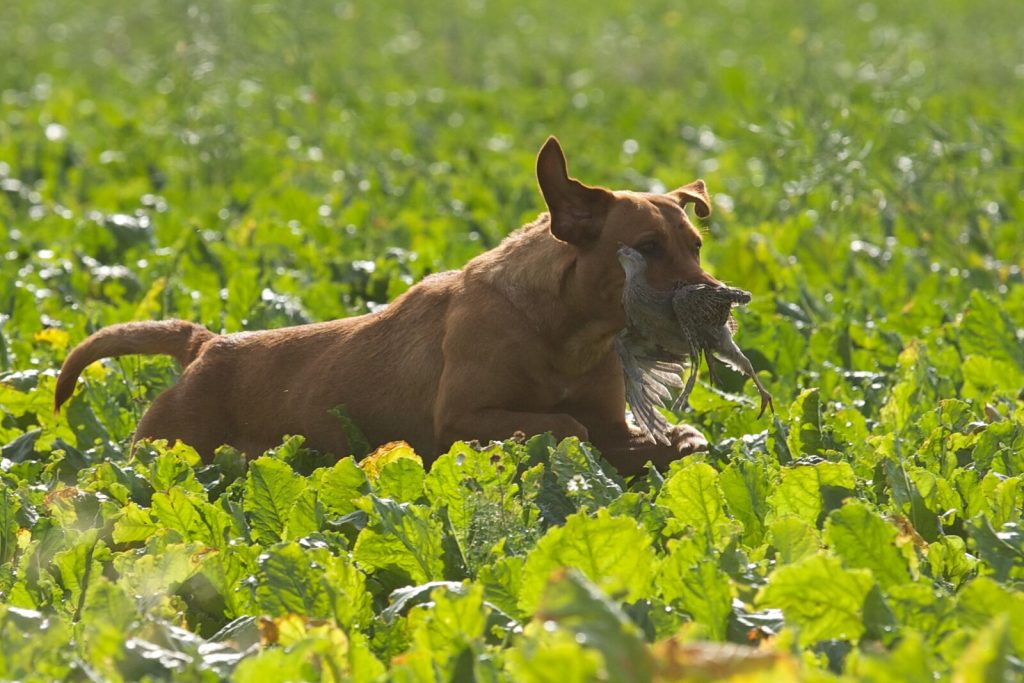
{"points": [[253, 165]]}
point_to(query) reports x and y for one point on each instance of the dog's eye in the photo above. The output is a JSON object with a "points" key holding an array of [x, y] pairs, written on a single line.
{"points": [[649, 248]]}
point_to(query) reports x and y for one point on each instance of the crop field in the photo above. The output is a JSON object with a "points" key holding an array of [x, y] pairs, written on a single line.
{"points": [[255, 165]]}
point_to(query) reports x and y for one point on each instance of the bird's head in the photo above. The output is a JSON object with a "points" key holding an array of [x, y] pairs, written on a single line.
{"points": [[632, 261]]}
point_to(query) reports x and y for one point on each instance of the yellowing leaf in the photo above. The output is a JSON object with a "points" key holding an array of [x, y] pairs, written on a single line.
{"points": [[149, 305], [56, 338], [95, 371], [388, 453], [698, 661]]}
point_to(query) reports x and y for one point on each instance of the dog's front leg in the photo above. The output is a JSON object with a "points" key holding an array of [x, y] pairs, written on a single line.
{"points": [[625, 446], [629, 450]]}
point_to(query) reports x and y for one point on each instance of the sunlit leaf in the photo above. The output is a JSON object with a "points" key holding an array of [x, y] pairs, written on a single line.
{"points": [[820, 597], [612, 552], [271, 489], [400, 536], [805, 490], [864, 540]]}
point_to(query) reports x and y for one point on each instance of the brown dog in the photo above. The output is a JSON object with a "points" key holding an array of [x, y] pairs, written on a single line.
{"points": [[521, 339]]}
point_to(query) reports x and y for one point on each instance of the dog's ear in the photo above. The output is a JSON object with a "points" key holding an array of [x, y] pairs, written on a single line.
{"points": [[577, 210], [694, 192]]}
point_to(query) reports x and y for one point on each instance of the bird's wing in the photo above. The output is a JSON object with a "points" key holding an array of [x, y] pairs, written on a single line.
{"points": [[662, 373], [642, 395], [732, 324]]}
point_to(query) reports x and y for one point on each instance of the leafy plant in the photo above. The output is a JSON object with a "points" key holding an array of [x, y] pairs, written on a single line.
{"points": [[250, 167]]}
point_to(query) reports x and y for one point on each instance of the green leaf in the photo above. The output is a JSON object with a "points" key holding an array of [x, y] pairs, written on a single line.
{"points": [[571, 605], [984, 376], [339, 485], [401, 480], [1000, 444], [908, 662], [909, 500], [231, 462], [1003, 551], [702, 589], [351, 601], [358, 445], [820, 597], [501, 581], [34, 646], [1005, 497], [613, 552], [864, 540], [9, 506], [801, 492], [226, 570], [401, 600], [793, 538], [805, 424], [288, 665], [914, 388], [108, 615], [448, 634], [79, 565], [479, 491], [986, 330], [311, 650], [950, 561], [988, 657], [135, 524], [271, 489], [568, 478], [401, 536], [289, 448], [305, 517], [173, 467], [584, 477], [695, 501], [746, 486], [176, 512], [155, 573], [983, 600], [554, 658], [290, 583]]}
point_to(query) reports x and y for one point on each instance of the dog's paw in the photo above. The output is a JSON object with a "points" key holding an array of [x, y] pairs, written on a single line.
{"points": [[687, 440]]}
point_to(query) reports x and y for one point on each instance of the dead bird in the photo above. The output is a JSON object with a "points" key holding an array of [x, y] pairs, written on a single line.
{"points": [[664, 327], [704, 315], [650, 338]]}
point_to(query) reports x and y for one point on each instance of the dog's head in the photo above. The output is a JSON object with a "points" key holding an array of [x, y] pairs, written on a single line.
{"points": [[596, 222]]}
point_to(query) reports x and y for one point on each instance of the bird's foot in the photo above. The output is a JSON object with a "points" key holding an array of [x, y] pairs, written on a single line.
{"points": [[766, 402]]}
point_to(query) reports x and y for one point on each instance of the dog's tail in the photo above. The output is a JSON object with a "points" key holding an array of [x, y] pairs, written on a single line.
{"points": [[178, 338]]}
